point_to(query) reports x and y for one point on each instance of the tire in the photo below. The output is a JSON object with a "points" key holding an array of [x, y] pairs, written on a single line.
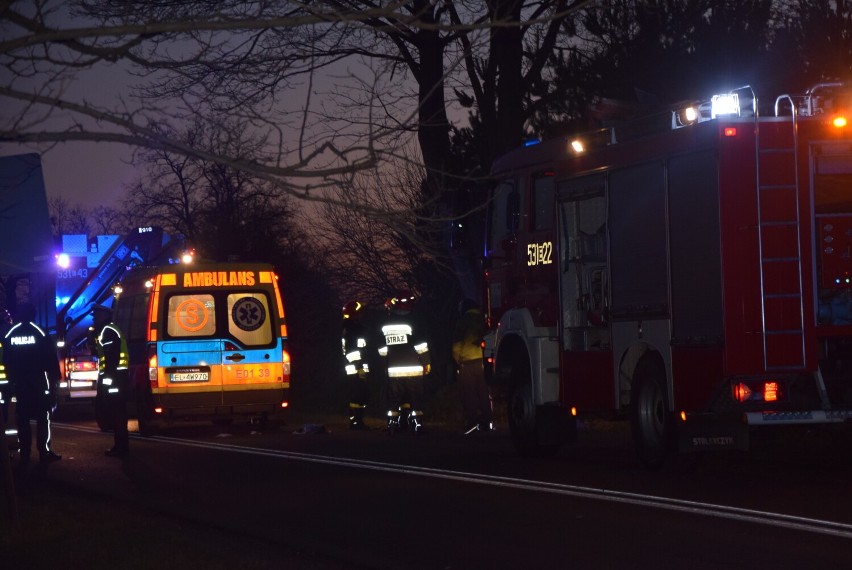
{"points": [[523, 417], [651, 419], [144, 413]]}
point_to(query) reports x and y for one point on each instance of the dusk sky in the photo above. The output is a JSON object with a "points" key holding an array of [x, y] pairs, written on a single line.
{"points": [[86, 173]]}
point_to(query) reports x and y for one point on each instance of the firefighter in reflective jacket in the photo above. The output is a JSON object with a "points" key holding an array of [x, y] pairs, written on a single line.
{"points": [[354, 349], [32, 369], [113, 379], [407, 361]]}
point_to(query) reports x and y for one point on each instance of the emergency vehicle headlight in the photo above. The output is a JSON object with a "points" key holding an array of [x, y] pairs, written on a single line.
{"points": [[577, 146], [728, 104], [63, 260], [839, 122]]}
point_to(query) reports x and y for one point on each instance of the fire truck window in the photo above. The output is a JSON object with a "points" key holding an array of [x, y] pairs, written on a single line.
{"points": [[504, 213], [513, 211], [542, 207]]}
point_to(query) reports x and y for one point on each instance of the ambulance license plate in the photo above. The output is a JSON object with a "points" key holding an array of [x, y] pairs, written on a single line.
{"points": [[189, 377]]}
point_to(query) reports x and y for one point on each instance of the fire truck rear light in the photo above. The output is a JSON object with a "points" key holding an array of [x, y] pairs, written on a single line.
{"points": [[158, 410], [682, 416], [285, 405], [730, 132], [839, 122], [741, 392], [573, 411], [770, 391]]}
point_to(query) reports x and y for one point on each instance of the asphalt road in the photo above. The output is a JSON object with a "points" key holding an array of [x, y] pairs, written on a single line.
{"points": [[345, 499]]}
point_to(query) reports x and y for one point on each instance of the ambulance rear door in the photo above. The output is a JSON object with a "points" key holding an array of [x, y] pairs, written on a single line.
{"points": [[252, 367]]}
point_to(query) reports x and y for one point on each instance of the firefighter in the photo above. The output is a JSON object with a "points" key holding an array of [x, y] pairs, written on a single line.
{"points": [[407, 361], [113, 378], [32, 368], [467, 353], [357, 370]]}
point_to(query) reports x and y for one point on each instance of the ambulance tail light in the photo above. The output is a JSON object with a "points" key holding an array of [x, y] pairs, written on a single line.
{"points": [[152, 365], [285, 359]]}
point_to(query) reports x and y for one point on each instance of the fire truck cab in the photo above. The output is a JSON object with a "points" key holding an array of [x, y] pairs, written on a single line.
{"points": [[692, 275]]}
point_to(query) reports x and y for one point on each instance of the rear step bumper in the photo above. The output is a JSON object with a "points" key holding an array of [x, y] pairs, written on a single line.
{"points": [[798, 417]]}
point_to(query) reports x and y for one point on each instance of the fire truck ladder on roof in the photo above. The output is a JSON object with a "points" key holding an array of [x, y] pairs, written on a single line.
{"points": [[780, 249]]}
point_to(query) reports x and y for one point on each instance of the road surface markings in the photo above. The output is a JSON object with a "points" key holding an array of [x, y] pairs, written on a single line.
{"points": [[780, 520]]}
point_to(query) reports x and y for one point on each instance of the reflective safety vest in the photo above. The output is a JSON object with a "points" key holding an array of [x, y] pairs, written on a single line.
{"points": [[404, 356], [354, 343], [108, 335]]}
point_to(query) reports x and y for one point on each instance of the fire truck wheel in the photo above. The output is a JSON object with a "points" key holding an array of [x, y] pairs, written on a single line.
{"points": [[652, 422], [523, 419]]}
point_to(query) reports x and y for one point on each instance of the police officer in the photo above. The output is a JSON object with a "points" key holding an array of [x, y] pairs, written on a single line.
{"points": [[357, 370], [408, 362], [113, 377], [32, 368], [467, 352]]}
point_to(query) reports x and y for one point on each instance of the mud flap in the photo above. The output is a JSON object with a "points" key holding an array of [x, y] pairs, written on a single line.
{"points": [[712, 432]]}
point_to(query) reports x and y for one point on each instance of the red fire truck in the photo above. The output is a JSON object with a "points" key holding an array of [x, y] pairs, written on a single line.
{"points": [[696, 279]]}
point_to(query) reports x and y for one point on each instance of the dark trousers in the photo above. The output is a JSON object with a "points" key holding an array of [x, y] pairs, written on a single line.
{"points": [[359, 391], [117, 409], [25, 412], [475, 397], [406, 390]]}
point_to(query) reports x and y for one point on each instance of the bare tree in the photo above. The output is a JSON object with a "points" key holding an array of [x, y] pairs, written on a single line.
{"points": [[67, 218], [225, 213], [370, 256]]}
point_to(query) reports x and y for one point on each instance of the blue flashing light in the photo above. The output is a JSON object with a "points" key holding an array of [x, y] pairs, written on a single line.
{"points": [[532, 142]]}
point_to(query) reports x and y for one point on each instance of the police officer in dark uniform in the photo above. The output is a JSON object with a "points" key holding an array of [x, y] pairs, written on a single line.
{"points": [[113, 378], [357, 370], [32, 369]]}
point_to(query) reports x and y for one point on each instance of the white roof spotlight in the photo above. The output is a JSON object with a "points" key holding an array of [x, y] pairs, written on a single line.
{"points": [[726, 104]]}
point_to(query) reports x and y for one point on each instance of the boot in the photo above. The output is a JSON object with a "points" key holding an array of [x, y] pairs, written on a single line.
{"points": [[415, 422], [393, 422], [356, 420]]}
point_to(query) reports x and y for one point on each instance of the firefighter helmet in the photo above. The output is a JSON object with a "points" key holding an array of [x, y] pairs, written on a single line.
{"points": [[353, 309], [401, 303]]}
